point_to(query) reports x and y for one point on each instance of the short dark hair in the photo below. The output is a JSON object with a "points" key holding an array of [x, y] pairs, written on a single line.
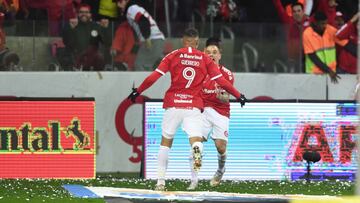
{"points": [[191, 32], [297, 4], [320, 16], [213, 41]]}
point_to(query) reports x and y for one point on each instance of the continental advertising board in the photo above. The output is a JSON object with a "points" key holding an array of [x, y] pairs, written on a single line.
{"points": [[47, 138]]}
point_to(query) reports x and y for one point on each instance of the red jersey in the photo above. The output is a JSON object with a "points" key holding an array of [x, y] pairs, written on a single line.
{"points": [[346, 60], [210, 87], [188, 68]]}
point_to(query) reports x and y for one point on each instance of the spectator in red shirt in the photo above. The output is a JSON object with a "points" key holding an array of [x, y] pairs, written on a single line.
{"points": [[124, 46], [347, 56], [59, 11], [296, 25], [326, 6]]}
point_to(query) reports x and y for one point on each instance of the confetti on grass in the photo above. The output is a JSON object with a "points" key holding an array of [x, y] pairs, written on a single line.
{"points": [[45, 189]]}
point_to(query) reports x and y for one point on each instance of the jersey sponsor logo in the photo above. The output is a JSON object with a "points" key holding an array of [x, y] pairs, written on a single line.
{"points": [[209, 91], [183, 96], [182, 101], [188, 56], [190, 63]]}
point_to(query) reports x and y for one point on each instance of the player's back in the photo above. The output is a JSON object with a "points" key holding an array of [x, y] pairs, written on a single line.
{"points": [[188, 68]]}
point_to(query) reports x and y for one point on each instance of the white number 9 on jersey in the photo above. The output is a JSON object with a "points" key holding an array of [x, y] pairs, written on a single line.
{"points": [[189, 74]]}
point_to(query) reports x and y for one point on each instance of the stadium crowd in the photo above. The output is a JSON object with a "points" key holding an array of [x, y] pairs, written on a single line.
{"points": [[133, 35]]}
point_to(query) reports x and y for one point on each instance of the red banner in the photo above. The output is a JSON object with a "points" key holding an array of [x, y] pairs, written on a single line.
{"points": [[47, 139]]}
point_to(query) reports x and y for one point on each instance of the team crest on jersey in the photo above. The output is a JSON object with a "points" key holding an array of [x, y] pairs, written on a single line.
{"points": [[226, 133]]}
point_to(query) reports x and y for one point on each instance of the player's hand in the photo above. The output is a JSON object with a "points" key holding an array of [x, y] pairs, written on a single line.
{"points": [[133, 95], [223, 96], [73, 22], [334, 77], [242, 100], [104, 23]]}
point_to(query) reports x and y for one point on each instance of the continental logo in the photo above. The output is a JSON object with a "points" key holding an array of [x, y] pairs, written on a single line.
{"points": [[43, 139]]}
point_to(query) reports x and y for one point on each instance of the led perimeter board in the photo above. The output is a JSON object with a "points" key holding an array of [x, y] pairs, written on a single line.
{"points": [[266, 142], [47, 138]]}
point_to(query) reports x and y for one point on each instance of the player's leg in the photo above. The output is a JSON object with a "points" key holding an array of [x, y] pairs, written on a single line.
{"points": [[206, 128], [163, 159], [192, 125], [221, 148], [171, 121], [220, 137]]}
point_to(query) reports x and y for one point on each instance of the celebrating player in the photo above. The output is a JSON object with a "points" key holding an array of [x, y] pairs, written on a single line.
{"points": [[182, 102], [216, 114]]}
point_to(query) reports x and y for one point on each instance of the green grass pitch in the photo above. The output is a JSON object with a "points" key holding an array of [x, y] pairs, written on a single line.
{"points": [[45, 190]]}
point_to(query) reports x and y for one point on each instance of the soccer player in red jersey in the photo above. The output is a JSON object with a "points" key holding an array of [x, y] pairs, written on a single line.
{"points": [[182, 102], [216, 113]]}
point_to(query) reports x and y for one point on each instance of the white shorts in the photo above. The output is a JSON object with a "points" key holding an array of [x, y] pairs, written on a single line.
{"points": [[215, 125], [191, 120]]}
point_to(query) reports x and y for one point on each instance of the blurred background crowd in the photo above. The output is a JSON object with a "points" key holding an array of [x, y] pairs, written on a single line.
{"points": [[133, 35]]}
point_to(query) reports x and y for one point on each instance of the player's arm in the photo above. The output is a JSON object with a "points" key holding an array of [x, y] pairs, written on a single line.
{"points": [[152, 78], [215, 74], [222, 95], [148, 82], [226, 85]]}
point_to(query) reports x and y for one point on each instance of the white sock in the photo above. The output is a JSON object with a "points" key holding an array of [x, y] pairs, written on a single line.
{"points": [[198, 144], [221, 161], [163, 158], [194, 174]]}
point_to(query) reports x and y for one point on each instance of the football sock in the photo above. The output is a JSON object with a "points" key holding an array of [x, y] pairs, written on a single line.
{"points": [[198, 144], [221, 161], [163, 157], [194, 174]]}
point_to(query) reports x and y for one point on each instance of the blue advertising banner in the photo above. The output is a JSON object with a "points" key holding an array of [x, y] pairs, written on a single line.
{"points": [[266, 142]]}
